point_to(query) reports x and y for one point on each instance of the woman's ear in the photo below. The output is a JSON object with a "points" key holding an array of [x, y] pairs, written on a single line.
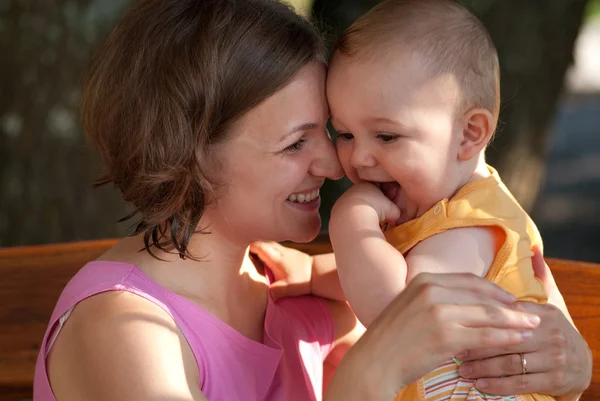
{"points": [[478, 126]]}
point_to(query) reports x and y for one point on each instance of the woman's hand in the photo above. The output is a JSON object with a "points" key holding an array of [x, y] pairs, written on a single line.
{"points": [[558, 361], [436, 317]]}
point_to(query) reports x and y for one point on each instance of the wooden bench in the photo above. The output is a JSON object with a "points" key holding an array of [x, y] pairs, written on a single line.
{"points": [[32, 278]]}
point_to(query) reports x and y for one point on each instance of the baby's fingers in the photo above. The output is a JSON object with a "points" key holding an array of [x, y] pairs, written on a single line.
{"points": [[268, 253], [391, 213]]}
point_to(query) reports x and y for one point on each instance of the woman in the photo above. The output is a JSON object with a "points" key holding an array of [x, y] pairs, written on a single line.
{"points": [[210, 119]]}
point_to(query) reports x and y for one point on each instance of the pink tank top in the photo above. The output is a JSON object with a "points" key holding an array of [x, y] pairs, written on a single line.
{"points": [[288, 365]]}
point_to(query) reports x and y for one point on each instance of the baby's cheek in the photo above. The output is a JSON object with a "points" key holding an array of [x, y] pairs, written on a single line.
{"points": [[341, 152]]}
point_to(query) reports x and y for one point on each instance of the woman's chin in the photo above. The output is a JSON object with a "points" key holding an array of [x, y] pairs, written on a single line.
{"points": [[307, 233]]}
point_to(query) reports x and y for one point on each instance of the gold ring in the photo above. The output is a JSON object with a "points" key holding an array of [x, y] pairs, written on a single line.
{"points": [[523, 364]]}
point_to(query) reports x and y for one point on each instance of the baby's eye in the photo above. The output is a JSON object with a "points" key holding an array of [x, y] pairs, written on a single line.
{"points": [[345, 136], [295, 147], [385, 137]]}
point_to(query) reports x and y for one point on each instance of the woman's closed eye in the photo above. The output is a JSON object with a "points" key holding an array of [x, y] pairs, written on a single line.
{"points": [[296, 146]]}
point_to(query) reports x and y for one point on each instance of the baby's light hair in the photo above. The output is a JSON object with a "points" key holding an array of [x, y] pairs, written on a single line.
{"points": [[442, 33]]}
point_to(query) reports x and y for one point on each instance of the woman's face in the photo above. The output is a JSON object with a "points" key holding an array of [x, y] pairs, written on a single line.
{"points": [[275, 163]]}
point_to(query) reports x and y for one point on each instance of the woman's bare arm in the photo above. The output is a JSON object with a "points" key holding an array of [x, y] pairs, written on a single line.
{"points": [[119, 346]]}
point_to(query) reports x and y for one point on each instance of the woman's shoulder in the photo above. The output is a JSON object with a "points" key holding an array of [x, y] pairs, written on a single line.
{"points": [[129, 342], [114, 316]]}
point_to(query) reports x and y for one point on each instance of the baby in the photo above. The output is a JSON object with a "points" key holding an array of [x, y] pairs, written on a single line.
{"points": [[413, 88]]}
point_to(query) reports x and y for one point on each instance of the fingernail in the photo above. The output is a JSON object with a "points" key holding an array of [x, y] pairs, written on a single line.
{"points": [[481, 384], [525, 335], [462, 355], [533, 320], [465, 370]]}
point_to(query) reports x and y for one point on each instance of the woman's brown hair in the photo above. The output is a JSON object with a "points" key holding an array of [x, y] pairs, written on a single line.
{"points": [[169, 82]]}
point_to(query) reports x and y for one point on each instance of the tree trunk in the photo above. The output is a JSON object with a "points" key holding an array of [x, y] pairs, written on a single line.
{"points": [[45, 164], [535, 43]]}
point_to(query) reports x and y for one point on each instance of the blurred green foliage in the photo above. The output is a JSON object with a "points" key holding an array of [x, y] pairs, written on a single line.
{"points": [[593, 9], [302, 6]]}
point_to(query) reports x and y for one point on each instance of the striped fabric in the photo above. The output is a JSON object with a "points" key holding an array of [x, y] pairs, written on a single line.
{"points": [[445, 384]]}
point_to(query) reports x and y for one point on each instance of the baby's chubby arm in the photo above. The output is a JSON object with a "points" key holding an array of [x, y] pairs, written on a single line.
{"points": [[461, 250], [371, 271]]}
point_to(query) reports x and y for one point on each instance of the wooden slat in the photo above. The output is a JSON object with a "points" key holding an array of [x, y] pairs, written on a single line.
{"points": [[32, 278], [579, 284]]}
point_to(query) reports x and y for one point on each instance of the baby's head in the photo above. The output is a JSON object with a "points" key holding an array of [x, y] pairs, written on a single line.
{"points": [[413, 89]]}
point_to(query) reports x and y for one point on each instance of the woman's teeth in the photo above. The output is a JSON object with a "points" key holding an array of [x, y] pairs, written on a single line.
{"points": [[304, 198]]}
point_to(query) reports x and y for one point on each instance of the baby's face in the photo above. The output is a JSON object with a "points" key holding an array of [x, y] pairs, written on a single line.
{"points": [[396, 125]]}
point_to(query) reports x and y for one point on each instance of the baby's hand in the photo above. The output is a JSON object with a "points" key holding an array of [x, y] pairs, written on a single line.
{"points": [[367, 194], [292, 269]]}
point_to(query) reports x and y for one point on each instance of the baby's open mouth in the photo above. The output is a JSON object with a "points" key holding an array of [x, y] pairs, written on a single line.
{"points": [[390, 189]]}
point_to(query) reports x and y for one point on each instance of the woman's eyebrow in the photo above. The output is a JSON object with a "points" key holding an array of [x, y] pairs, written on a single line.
{"points": [[301, 127]]}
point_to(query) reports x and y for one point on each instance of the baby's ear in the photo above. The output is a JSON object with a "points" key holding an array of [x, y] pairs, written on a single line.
{"points": [[478, 125]]}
